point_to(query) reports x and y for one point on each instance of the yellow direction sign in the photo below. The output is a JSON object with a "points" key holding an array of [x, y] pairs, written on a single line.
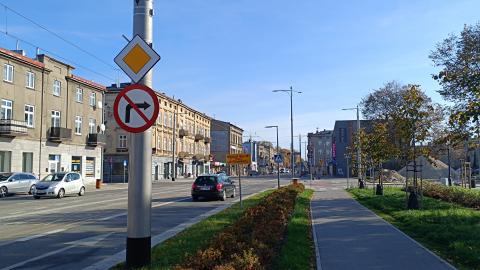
{"points": [[238, 158], [137, 58]]}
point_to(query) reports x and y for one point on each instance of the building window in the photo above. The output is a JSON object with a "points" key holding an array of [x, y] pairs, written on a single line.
{"points": [[6, 109], [90, 167], [343, 134], [165, 119], [77, 164], [92, 124], [78, 125], [55, 119], [57, 87], [27, 162], [8, 73], [165, 143], [5, 161], [93, 99], [159, 143], [79, 95], [30, 115], [122, 141], [30, 80]]}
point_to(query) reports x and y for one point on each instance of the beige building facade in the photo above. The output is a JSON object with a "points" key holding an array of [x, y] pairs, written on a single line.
{"points": [[226, 139], [190, 142], [50, 119]]}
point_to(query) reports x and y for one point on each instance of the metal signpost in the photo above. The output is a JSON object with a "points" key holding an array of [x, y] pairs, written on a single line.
{"points": [[135, 110], [239, 159]]}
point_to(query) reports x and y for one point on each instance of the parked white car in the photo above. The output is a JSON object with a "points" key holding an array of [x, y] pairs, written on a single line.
{"points": [[59, 184], [17, 182]]}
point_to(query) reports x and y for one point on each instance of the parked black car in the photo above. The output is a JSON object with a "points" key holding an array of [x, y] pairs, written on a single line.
{"points": [[218, 186]]}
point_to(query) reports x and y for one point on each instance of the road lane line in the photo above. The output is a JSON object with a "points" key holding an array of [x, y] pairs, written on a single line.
{"points": [[153, 206], [76, 205], [89, 242], [24, 239]]}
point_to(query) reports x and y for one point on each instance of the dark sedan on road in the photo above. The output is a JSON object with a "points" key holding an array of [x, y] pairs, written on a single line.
{"points": [[218, 186]]}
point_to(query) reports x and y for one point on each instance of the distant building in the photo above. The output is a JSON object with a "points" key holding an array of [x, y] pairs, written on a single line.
{"points": [[192, 140], [343, 139], [266, 151], [320, 149], [226, 139], [251, 147]]}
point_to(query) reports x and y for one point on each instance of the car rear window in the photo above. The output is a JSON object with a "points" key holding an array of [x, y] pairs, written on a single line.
{"points": [[206, 180]]}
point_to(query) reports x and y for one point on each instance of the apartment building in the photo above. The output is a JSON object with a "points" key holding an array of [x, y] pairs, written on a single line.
{"points": [[320, 148], [226, 139], [190, 142], [50, 119]]}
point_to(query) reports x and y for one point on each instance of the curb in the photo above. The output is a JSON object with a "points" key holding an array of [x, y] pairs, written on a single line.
{"points": [[160, 238], [314, 232], [404, 234]]}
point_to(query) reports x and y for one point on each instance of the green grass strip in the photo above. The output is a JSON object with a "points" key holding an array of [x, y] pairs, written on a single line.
{"points": [[448, 229], [298, 250], [174, 250]]}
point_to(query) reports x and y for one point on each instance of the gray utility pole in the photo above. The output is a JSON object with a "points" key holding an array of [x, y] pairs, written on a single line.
{"points": [[291, 91], [140, 175], [174, 142], [300, 154], [278, 153], [359, 151]]}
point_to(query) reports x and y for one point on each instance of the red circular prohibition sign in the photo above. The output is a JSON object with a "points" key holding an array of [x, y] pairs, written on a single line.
{"points": [[148, 122]]}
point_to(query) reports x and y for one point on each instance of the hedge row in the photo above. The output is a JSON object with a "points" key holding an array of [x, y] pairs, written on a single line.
{"points": [[466, 197], [254, 240]]}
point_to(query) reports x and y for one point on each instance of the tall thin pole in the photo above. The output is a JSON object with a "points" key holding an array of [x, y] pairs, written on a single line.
{"points": [[348, 175], [449, 167], [359, 151], [140, 177], [300, 153], [291, 133], [278, 163], [174, 142]]}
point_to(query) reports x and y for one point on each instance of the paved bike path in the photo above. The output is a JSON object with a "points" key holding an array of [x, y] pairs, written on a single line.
{"points": [[349, 236]]}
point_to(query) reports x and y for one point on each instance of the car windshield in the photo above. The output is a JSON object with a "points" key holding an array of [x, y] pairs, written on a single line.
{"points": [[53, 177], [5, 176], [205, 180]]}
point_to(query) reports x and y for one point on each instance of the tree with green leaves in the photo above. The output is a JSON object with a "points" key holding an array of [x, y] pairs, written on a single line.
{"points": [[458, 56]]}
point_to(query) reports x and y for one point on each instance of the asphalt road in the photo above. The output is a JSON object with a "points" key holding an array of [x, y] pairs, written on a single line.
{"points": [[75, 232]]}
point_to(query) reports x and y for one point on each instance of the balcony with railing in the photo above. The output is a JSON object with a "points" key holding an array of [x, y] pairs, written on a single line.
{"points": [[206, 140], [182, 133], [199, 137], [59, 134], [96, 139], [13, 128]]}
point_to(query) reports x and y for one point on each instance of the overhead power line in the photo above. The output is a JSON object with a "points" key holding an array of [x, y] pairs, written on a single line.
{"points": [[57, 36], [57, 56]]}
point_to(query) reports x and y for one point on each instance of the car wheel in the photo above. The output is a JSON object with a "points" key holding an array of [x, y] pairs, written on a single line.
{"points": [[3, 192], [224, 196], [61, 193], [31, 189], [81, 192], [36, 197], [234, 193], [194, 198]]}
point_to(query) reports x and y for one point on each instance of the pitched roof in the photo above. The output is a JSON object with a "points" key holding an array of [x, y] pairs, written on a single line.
{"points": [[87, 82], [21, 58]]}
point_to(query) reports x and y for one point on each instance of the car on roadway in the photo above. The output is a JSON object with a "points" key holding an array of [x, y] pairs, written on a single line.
{"points": [[17, 182], [60, 184], [217, 186]]}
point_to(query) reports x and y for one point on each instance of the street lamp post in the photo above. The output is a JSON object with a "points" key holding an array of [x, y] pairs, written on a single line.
{"points": [[278, 153], [359, 151], [290, 92]]}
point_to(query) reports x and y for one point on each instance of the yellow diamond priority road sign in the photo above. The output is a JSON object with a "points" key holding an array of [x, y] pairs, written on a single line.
{"points": [[137, 58]]}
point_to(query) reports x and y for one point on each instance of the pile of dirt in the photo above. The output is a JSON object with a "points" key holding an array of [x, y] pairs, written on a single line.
{"points": [[431, 169]]}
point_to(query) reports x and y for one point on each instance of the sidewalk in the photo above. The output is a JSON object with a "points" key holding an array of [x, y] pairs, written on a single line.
{"points": [[349, 236]]}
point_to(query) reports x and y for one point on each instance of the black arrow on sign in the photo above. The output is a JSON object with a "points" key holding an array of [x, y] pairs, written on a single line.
{"points": [[129, 107]]}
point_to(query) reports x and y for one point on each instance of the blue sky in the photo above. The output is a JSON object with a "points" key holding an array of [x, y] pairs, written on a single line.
{"points": [[224, 58]]}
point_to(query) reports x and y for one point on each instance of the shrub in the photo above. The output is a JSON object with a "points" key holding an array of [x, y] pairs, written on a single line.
{"points": [[253, 240], [465, 197]]}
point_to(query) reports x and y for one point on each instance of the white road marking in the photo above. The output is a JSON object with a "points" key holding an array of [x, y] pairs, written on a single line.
{"points": [[24, 239], [89, 242], [153, 206], [56, 209]]}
